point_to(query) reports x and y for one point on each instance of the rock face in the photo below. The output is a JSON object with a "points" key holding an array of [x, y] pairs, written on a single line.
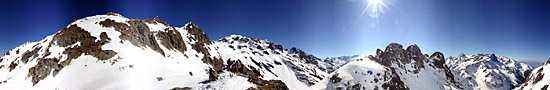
{"points": [[411, 64], [538, 79]]}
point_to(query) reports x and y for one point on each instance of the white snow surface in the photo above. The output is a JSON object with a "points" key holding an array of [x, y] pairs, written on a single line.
{"points": [[360, 70]]}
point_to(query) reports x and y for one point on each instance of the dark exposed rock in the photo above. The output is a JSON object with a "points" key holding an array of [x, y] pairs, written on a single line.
{"points": [[439, 61], [200, 46], [268, 84], [335, 79], [538, 77], [182, 88], [43, 69], [137, 33], [160, 78], [155, 20], [88, 45], [547, 62], [171, 39], [253, 76], [12, 65], [275, 47], [277, 63], [355, 87], [104, 38], [198, 34], [413, 52], [67, 37], [7, 53], [28, 54], [304, 56], [113, 13], [212, 75], [395, 54], [395, 82]]}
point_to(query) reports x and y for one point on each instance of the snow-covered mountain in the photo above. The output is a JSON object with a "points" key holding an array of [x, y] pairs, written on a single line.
{"points": [[538, 79], [272, 61], [398, 68], [487, 71], [394, 68], [113, 52]]}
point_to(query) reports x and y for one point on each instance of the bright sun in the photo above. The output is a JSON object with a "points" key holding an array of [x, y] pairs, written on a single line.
{"points": [[375, 8]]}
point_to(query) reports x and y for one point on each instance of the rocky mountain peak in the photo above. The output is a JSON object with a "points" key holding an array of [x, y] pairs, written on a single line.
{"points": [[241, 39], [113, 13], [461, 55], [394, 48], [394, 53], [305, 56], [295, 50]]}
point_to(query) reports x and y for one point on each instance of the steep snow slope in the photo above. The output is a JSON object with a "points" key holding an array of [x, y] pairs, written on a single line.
{"points": [[106, 52], [538, 79], [272, 61], [113, 52], [486, 71]]}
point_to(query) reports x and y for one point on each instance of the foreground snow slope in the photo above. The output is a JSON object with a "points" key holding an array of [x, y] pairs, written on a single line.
{"points": [[538, 79]]}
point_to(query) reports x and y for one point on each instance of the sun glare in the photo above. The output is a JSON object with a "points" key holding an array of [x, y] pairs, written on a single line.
{"points": [[375, 8]]}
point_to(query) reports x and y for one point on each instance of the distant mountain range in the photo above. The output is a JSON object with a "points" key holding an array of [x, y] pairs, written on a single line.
{"points": [[111, 51]]}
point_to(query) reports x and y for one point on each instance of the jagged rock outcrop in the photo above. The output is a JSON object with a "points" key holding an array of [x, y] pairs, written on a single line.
{"points": [[394, 68]]}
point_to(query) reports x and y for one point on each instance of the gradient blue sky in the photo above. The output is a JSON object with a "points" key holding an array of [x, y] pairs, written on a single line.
{"points": [[513, 28]]}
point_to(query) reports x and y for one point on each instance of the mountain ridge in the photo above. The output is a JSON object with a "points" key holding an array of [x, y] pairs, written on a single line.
{"points": [[111, 51]]}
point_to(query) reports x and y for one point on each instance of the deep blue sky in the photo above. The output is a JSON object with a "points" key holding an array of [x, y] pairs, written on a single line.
{"points": [[513, 28]]}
